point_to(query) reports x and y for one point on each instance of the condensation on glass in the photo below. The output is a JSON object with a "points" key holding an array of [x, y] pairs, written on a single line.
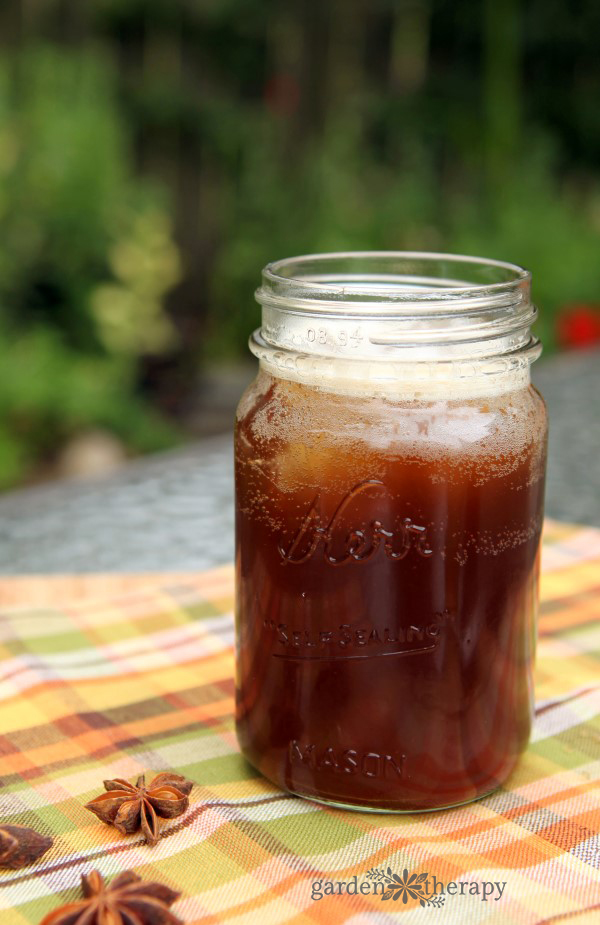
{"points": [[390, 462]]}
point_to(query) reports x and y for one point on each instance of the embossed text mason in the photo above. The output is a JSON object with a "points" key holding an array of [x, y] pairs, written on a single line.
{"points": [[390, 462]]}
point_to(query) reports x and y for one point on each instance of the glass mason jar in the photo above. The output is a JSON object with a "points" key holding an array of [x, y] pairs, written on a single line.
{"points": [[390, 461]]}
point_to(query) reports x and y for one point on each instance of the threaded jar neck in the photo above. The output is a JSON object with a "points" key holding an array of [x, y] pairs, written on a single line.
{"points": [[395, 311]]}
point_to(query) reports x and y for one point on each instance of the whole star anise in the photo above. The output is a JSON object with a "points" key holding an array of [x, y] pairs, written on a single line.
{"points": [[130, 807], [127, 900], [20, 845]]}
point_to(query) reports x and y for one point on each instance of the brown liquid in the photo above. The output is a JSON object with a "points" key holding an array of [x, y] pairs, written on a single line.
{"points": [[386, 591]]}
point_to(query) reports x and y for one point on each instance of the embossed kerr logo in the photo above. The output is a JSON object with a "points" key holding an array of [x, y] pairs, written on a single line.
{"points": [[340, 544], [338, 541]]}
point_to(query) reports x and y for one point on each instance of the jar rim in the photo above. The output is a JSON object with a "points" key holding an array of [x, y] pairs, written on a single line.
{"points": [[394, 307], [392, 281]]}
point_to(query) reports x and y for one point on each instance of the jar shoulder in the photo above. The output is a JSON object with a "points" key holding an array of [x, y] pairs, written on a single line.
{"points": [[260, 392], [278, 409]]}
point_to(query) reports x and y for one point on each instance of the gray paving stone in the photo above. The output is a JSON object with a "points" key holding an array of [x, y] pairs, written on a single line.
{"points": [[172, 512], [570, 383]]}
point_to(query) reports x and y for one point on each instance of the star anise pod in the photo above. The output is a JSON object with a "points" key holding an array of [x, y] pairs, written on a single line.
{"points": [[20, 846], [130, 807], [127, 900]]}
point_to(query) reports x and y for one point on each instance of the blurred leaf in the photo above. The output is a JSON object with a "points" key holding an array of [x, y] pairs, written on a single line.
{"points": [[87, 258]]}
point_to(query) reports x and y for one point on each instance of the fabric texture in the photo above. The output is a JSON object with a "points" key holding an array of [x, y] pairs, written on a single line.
{"points": [[144, 682]]}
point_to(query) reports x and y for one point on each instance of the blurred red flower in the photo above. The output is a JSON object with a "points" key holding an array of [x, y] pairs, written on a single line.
{"points": [[578, 326]]}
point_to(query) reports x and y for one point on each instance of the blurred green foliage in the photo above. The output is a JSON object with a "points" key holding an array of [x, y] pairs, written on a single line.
{"points": [[49, 392], [340, 198], [87, 256], [246, 131]]}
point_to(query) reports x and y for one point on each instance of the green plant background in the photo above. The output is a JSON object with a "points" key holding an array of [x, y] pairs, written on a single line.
{"points": [[155, 154]]}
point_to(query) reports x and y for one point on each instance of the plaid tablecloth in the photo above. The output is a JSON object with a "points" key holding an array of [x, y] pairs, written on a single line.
{"points": [[112, 688]]}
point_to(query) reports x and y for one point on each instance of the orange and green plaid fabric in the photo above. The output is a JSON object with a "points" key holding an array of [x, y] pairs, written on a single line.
{"points": [[145, 682]]}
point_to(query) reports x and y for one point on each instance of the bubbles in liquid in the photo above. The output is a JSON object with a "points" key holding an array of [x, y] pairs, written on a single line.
{"points": [[312, 431], [437, 553]]}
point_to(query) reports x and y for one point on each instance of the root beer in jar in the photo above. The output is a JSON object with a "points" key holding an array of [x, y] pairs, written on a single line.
{"points": [[390, 465]]}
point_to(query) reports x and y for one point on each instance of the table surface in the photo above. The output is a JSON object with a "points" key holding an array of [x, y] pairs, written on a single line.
{"points": [[140, 682], [174, 512]]}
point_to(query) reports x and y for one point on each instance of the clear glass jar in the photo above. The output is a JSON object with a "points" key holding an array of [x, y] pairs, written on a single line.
{"points": [[390, 461]]}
